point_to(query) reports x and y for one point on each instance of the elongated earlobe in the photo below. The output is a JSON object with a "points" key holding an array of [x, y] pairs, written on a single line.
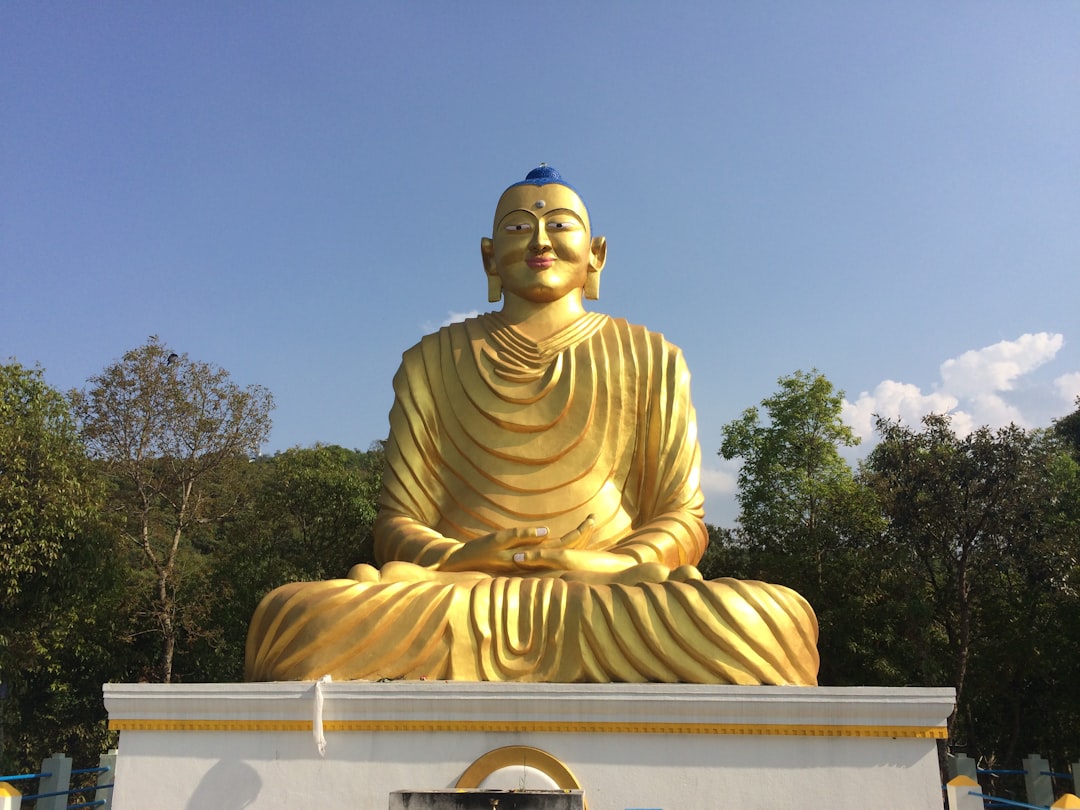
{"points": [[487, 254], [592, 286], [597, 260]]}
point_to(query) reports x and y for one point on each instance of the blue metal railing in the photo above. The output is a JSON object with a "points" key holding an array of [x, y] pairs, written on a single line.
{"points": [[78, 771], [1057, 775], [94, 803], [997, 801], [24, 776], [81, 791], [73, 791], [1038, 782]]}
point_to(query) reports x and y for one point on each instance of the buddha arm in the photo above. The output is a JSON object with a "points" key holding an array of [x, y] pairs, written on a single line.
{"points": [[407, 504], [671, 540], [665, 492], [400, 537]]}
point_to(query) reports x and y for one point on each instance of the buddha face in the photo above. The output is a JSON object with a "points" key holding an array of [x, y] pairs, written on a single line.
{"points": [[541, 247]]}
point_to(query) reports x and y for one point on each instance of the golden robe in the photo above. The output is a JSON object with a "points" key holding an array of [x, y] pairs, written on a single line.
{"points": [[490, 430]]}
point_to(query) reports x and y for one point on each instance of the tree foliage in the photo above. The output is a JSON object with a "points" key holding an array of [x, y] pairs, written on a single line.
{"points": [[945, 560], [804, 520], [326, 499], [1067, 428], [46, 491], [796, 492], [308, 515], [167, 428], [150, 515], [983, 528], [62, 622]]}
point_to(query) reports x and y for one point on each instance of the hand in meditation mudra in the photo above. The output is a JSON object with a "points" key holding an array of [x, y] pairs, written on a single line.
{"points": [[541, 510]]}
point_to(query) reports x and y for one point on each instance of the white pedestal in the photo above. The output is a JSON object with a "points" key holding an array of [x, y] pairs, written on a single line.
{"points": [[202, 746]]}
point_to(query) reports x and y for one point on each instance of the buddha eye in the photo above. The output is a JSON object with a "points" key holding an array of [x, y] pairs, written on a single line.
{"points": [[519, 227], [567, 225]]}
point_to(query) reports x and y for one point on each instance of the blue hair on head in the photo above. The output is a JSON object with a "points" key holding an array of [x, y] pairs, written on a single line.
{"points": [[544, 175]]}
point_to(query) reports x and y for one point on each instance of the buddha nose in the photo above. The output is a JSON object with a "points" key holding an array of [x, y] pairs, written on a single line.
{"points": [[540, 242]]}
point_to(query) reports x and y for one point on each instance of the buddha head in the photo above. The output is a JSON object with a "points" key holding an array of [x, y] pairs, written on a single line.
{"points": [[541, 248]]}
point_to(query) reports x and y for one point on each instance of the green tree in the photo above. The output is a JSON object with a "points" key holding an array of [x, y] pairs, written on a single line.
{"points": [[62, 623], [1067, 428], [725, 556], [797, 495], [804, 520], [307, 515], [982, 531], [168, 429], [328, 496], [46, 490]]}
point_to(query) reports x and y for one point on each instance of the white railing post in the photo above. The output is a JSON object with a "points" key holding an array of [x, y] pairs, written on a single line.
{"points": [[959, 790], [962, 765], [107, 778], [58, 766], [10, 798], [1039, 787]]}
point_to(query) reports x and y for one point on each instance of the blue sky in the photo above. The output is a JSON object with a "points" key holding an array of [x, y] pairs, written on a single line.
{"points": [[887, 192]]}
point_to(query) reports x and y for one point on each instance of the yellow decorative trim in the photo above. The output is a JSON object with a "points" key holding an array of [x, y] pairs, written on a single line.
{"points": [[518, 755], [210, 725], [550, 727], [522, 756]]}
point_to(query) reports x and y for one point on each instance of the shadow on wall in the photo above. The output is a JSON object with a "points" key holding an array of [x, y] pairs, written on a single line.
{"points": [[229, 785]]}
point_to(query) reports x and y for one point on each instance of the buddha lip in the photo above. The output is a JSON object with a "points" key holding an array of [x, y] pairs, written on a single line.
{"points": [[540, 261]]}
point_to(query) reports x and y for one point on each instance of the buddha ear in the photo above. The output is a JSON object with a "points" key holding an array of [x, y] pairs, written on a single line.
{"points": [[597, 257], [597, 254], [487, 254]]}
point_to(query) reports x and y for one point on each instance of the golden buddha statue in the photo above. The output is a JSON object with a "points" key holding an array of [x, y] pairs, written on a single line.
{"points": [[541, 510]]}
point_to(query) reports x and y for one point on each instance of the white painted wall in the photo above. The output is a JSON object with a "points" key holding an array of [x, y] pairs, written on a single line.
{"points": [[189, 770]]}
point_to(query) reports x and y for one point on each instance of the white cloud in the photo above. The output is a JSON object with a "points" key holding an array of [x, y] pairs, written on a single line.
{"points": [[993, 410], [721, 480], [893, 400], [969, 391], [995, 368], [451, 317], [458, 317], [1068, 386]]}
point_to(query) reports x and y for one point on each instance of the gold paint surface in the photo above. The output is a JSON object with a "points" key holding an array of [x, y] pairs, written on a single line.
{"points": [[541, 510], [520, 756], [514, 756]]}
